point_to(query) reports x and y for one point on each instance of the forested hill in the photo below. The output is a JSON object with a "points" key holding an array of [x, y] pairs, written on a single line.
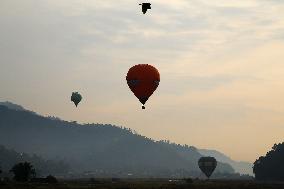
{"points": [[97, 148]]}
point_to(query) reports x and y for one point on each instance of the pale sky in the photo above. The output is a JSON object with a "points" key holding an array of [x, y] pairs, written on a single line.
{"points": [[221, 66]]}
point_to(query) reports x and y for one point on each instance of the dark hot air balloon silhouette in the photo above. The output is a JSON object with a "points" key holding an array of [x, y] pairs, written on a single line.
{"points": [[76, 98], [145, 7], [207, 165], [143, 80]]}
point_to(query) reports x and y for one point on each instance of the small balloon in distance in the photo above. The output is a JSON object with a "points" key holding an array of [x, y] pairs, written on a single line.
{"points": [[143, 80], [76, 98], [207, 165]]}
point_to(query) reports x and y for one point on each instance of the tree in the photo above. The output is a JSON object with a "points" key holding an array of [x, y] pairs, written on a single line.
{"points": [[271, 166], [51, 179], [23, 172]]}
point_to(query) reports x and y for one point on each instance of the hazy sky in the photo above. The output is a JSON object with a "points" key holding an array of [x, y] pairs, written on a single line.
{"points": [[221, 64]]}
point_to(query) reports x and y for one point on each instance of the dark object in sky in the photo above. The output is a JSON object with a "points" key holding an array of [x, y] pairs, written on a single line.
{"points": [[143, 80], [207, 165], [76, 98], [145, 7]]}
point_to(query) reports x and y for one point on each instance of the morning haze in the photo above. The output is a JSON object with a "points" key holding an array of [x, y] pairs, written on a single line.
{"points": [[221, 67]]}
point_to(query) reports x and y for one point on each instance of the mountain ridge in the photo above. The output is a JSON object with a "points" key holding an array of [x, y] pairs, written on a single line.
{"points": [[12, 106], [101, 146]]}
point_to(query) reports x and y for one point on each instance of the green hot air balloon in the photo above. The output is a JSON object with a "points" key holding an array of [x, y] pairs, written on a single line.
{"points": [[207, 165], [76, 98]]}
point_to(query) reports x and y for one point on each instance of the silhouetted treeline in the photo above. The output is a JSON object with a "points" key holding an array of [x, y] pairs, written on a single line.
{"points": [[8, 158], [97, 149], [231, 176], [270, 167]]}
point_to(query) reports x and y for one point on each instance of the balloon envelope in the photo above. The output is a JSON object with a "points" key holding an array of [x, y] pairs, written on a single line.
{"points": [[143, 80], [76, 98], [207, 165]]}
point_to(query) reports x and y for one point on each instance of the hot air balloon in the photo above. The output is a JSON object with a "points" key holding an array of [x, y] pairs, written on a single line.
{"points": [[76, 98], [207, 165], [143, 80]]}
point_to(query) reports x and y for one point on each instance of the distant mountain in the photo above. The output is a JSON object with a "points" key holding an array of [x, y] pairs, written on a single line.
{"points": [[98, 149], [239, 166]]}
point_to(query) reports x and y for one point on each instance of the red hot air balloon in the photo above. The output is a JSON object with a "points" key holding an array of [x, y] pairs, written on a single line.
{"points": [[143, 80]]}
